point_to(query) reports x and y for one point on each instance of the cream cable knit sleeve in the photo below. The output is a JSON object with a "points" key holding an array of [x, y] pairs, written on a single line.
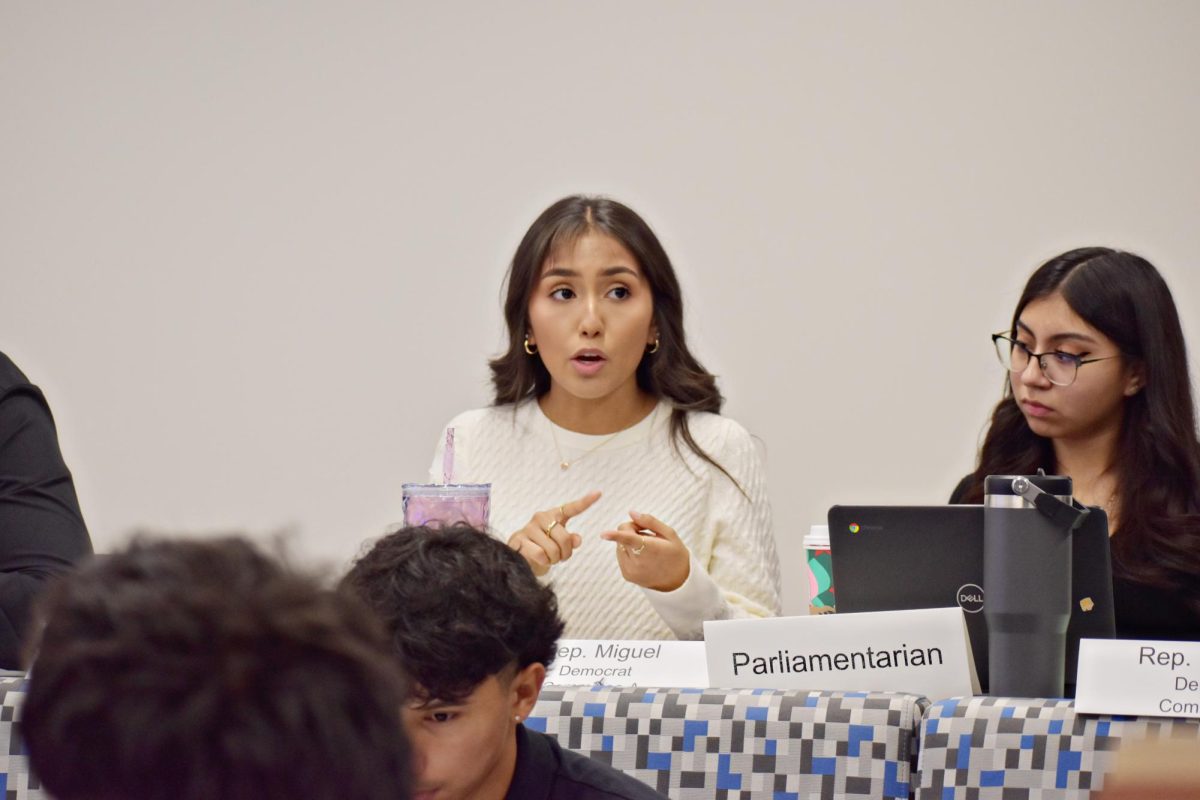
{"points": [[734, 569]]}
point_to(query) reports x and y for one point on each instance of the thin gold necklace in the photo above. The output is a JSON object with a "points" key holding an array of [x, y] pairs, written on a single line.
{"points": [[565, 463]]}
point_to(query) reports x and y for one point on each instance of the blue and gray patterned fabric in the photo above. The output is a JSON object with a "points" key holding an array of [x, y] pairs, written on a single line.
{"points": [[743, 744], [16, 783], [739, 744], [985, 748]]}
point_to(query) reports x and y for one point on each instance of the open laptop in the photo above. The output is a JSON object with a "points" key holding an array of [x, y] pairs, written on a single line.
{"points": [[898, 557]]}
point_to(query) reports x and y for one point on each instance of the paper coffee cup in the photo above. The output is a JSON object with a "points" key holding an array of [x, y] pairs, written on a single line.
{"points": [[818, 563]]}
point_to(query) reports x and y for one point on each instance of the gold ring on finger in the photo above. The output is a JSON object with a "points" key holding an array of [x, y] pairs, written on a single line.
{"points": [[550, 527], [637, 551]]}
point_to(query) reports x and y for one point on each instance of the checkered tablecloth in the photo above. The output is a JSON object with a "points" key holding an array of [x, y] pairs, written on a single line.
{"points": [[739, 744], [996, 748]]}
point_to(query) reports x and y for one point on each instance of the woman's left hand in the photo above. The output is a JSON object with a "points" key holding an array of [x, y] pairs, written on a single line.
{"points": [[650, 553]]}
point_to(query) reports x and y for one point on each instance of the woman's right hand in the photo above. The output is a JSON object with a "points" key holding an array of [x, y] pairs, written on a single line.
{"points": [[545, 540]]}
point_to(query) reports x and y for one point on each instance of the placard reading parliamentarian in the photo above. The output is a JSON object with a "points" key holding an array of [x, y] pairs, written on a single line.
{"points": [[1141, 678], [618, 662], [925, 651]]}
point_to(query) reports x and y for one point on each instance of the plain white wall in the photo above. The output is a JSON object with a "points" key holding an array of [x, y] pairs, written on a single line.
{"points": [[253, 252]]}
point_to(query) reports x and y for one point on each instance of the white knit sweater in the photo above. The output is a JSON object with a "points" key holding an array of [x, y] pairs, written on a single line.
{"points": [[734, 569]]}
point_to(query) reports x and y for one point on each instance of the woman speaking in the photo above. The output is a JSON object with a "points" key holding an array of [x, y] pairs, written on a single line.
{"points": [[612, 471]]}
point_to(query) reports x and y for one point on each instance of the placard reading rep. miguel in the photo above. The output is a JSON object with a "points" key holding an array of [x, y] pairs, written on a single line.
{"points": [[623, 662]]}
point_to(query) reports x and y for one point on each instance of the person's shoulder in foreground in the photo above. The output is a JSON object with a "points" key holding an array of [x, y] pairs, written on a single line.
{"points": [[202, 669], [545, 771], [42, 532], [475, 630]]}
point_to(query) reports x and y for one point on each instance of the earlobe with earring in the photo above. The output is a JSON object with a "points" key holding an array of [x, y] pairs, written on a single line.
{"points": [[654, 347], [530, 349]]}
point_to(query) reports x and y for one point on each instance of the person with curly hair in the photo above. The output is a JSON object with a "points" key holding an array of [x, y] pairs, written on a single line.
{"points": [[192, 670], [475, 630]]}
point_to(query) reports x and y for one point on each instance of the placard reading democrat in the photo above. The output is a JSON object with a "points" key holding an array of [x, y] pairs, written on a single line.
{"points": [[617, 662], [925, 651]]}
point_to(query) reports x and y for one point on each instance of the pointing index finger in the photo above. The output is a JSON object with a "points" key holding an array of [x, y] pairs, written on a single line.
{"points": [[577, 507]]}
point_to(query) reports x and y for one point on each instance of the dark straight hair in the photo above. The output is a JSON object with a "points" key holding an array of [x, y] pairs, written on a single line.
{"points": [[1158, 457], [671, 372]]}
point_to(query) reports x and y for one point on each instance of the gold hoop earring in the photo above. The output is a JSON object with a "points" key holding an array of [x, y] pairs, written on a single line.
{"points": [[530, 350], [654, 349]]}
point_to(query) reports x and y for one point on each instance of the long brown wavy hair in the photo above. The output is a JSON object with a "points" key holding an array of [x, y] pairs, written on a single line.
{"points": [[1158, 457], [671, 372]]}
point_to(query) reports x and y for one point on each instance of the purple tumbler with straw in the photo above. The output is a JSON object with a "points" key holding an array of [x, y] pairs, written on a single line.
{"points": [[446, 503]]}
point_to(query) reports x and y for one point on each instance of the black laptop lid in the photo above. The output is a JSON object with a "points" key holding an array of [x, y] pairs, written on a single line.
{"points": [[887, 558]]}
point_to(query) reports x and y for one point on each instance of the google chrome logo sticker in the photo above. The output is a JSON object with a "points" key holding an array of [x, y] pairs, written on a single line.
{"points": [[854, 527]]}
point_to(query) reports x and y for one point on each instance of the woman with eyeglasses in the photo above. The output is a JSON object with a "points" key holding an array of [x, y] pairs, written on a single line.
{"points": [[1098, 389], [613, 472]]}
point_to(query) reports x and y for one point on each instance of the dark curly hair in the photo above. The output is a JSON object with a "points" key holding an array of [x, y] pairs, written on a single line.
{"points": [[460, 605], [188, 670]]}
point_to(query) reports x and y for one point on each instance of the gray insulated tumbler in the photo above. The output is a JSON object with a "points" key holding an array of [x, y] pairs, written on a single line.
{"points": [[1027, 525]]}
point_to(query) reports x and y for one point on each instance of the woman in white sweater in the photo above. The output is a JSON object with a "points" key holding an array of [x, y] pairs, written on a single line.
{"points": [[612, 472]]}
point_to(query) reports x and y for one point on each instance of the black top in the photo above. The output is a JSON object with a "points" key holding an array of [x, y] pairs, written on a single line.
{"points": [[1141, 611], [545, 771], [42, 533]]}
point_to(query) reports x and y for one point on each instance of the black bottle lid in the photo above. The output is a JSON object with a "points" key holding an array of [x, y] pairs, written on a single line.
{"points": [[1058, 485]]}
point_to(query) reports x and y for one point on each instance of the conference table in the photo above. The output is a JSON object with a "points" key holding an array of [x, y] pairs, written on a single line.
{"points": [[769, 744], [787, 745]]}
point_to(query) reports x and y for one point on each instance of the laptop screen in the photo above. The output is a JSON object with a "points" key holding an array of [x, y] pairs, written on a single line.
{"points": [[887, 558]]}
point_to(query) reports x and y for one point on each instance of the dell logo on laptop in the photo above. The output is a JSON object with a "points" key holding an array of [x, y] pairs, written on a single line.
{"points": [[970, 598]]}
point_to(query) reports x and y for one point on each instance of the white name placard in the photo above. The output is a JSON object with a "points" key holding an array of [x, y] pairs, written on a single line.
{"points": [[925, 651], [620, 662], [1141, 678]]}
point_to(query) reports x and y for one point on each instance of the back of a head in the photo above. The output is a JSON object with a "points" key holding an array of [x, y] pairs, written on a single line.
{"points": [[459, 604], [198, 669]]}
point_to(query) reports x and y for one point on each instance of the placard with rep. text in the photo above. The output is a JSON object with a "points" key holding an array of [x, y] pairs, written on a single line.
{"points": [[620, 662], [1141, 678]]}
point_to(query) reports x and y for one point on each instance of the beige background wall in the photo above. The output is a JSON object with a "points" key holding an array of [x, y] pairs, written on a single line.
{"points": [[253, 251]]}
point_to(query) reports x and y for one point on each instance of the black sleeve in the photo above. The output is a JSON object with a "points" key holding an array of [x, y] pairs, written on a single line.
{"points": [[960, 491], [42, 533]]}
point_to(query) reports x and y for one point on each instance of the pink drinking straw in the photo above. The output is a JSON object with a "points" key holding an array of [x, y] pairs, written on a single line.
{"points": [[448, 456]]}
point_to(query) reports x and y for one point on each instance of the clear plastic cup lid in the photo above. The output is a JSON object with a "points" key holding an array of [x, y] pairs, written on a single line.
{"points": [[446, 489]]}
